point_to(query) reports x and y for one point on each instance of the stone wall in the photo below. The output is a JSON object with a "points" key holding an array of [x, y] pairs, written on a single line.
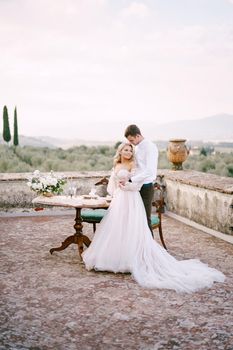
{"points": [[14, 192], [204, 198]]}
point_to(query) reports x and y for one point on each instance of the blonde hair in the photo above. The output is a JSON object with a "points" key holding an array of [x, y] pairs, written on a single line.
{"points": [[117, 157]]}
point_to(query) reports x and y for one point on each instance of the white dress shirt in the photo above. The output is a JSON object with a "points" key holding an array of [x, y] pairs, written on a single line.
{"points": [[146, 154]]}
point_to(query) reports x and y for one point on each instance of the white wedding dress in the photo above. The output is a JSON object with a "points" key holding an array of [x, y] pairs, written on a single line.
{"points": [[123, 243]]}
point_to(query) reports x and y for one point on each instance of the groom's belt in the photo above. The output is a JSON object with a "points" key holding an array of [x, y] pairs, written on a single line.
{"points": [[148, 184]]}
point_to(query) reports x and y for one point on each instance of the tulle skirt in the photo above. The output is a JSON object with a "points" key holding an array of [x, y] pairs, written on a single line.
{"points": [[123, 243]]}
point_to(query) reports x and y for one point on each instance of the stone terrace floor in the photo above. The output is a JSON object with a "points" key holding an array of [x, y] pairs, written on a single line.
{"points": [[52, 302]]}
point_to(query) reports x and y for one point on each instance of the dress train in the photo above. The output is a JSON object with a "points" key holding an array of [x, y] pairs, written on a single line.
{"points": [[123, 243]]}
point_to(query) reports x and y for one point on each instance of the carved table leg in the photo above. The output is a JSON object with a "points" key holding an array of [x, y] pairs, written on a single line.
{"points": [[69, 240], [78, 238]]}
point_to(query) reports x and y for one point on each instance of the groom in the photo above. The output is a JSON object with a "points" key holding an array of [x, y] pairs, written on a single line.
{"points": [[146, 154]]}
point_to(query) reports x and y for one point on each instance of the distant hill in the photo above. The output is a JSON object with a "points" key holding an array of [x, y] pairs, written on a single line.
{"points": [[67, 143], [32, 141], [53, 142], [218, 127], [215, 128]]}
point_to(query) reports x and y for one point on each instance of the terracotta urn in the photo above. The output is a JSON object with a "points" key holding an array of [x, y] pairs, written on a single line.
{"points": [[177, 152]]}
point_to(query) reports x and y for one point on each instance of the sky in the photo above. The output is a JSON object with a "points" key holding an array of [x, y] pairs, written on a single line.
{"points": [[65, 63]]}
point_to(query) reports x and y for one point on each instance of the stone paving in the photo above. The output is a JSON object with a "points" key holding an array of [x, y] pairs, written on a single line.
{"points": [[52, 302]]}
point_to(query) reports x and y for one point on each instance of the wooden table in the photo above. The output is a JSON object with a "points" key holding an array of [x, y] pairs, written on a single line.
{"points": [[78, 203]]}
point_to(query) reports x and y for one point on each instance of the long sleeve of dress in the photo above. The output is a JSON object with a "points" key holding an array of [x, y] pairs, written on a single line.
{"points": [[112, 184]]}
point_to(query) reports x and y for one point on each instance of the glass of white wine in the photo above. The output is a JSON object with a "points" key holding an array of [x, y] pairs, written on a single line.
{"points": [[71, 189]]}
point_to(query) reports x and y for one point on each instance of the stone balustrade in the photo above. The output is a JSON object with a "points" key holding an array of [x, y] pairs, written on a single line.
{"points": [[206, 199], [203, 198], [14, 192]]}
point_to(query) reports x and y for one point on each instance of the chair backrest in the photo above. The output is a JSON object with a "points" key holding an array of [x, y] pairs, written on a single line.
{"points": [[102, 187], [158, 200], [103, 181]]}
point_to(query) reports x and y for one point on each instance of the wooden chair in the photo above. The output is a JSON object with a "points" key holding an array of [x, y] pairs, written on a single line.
{"points": [[159, 204], [94, 216]]}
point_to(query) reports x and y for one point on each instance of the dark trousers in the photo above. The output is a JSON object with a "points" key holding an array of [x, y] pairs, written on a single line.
{"points": [[147, 194]]}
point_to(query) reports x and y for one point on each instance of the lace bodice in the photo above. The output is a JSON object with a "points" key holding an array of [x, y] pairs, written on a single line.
{"points": [[122, 174]]}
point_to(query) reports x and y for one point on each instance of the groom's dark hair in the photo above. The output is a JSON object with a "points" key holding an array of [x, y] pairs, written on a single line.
{"points": [[132, 130]]}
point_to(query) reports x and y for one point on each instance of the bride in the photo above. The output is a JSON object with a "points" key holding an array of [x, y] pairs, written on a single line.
{"points": [[123, 241]]}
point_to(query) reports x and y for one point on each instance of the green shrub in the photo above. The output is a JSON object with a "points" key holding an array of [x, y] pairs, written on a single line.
{"points": [[83, 158]]}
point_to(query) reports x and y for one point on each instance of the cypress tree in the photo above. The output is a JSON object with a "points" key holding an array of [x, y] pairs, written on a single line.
{"points": [[16, 138], [6, 128]]}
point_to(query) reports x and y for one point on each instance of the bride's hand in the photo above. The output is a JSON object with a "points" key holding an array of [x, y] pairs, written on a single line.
{"points": [[122, 185], [129, 186], [122, 182]]}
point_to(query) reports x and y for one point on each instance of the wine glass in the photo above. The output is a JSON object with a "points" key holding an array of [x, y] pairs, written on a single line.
{"points": [[92, 193], [72, 188]]}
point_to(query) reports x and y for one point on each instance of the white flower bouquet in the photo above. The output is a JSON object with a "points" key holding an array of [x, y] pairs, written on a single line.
{"points": [[46, 184]]}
